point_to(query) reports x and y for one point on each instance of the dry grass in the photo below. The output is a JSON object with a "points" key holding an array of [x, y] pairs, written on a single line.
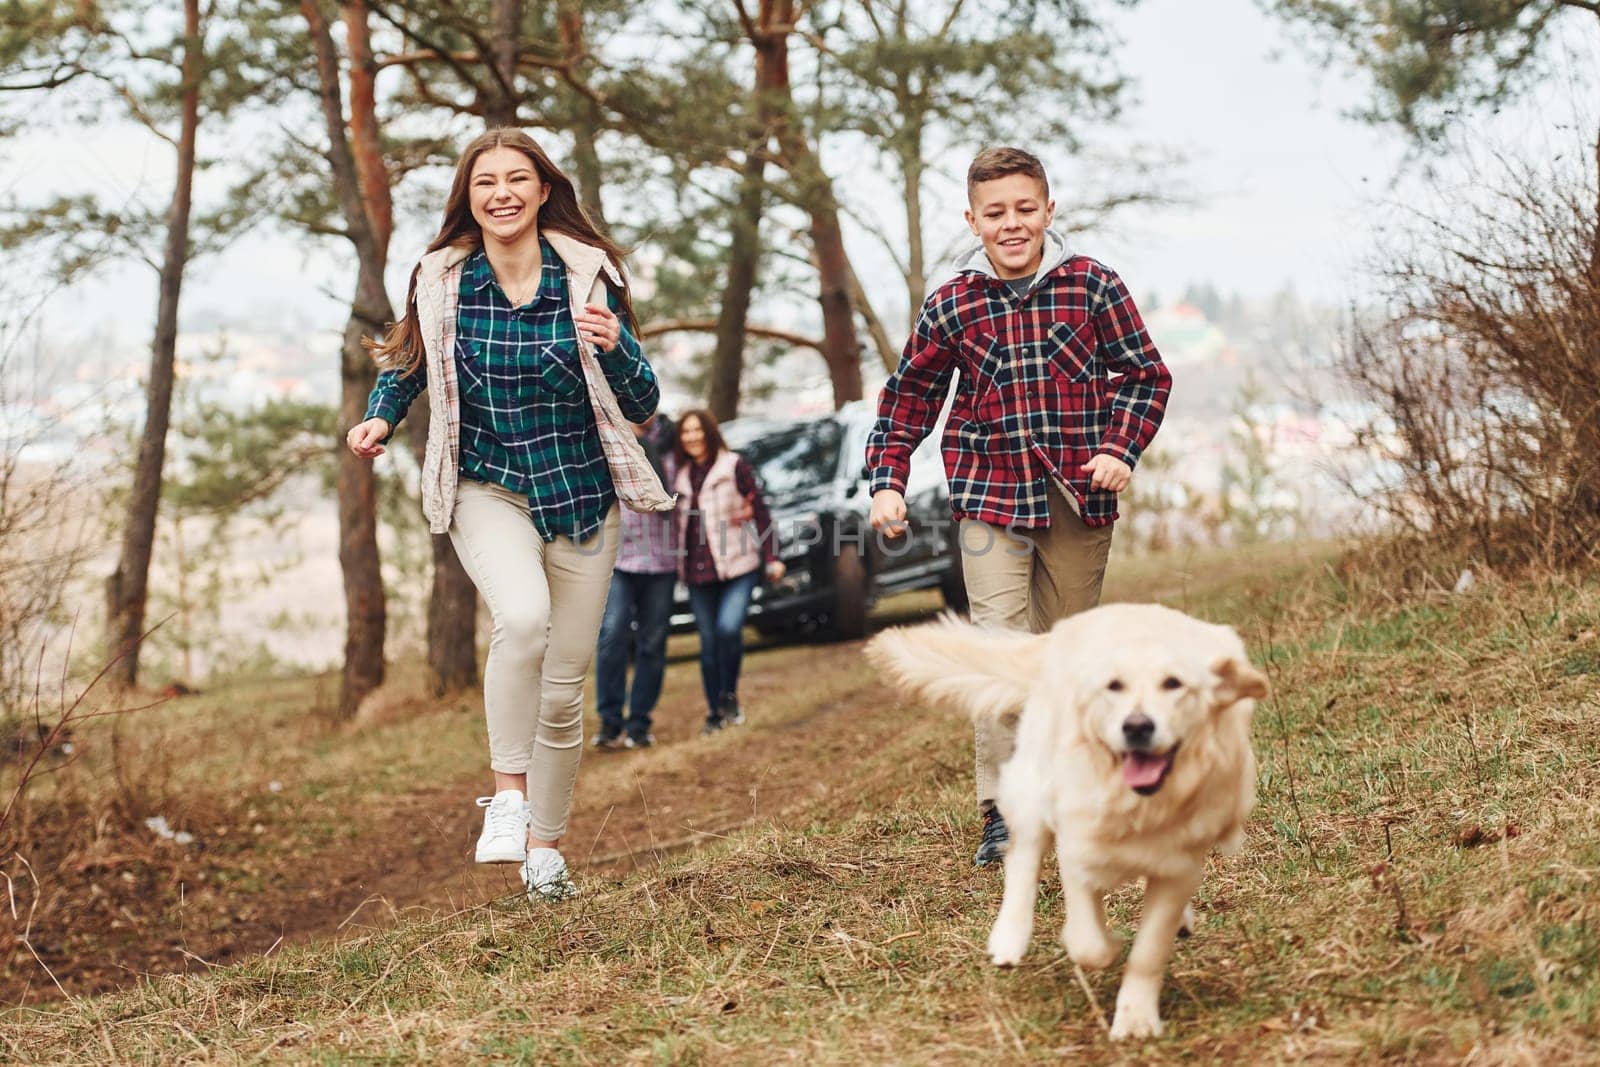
{"points": [[1419, 887]]}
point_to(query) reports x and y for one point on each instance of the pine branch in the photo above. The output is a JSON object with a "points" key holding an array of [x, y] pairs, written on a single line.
{"points": [[709, 325]]}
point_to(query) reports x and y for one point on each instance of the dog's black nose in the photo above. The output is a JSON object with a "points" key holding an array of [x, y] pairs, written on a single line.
{"points": [[1137, 729]]}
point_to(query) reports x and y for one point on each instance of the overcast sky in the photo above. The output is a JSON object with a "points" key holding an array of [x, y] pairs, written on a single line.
{"points": [[1286, 182]]}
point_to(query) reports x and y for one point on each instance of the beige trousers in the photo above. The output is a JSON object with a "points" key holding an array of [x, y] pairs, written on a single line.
{"points": [[546, 599], [1027, 580]]}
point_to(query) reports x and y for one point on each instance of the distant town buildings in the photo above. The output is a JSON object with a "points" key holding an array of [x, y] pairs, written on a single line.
{"points": [[1256, 426]]}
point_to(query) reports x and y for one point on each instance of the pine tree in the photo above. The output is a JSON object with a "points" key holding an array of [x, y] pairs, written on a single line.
{"points": [[1433, 61], [170, 76]]}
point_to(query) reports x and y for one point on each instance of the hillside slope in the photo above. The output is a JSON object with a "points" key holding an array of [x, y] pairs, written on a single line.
{"points": [[1419, 883]]}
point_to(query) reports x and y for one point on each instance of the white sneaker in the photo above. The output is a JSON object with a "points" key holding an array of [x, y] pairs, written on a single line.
{"points": [[545, 875], [505, 828]]}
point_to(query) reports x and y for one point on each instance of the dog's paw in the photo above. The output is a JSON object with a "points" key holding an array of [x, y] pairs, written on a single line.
{"points": [[1090, 947], [1135, 1021], [1186, 927], [1007, 944]]}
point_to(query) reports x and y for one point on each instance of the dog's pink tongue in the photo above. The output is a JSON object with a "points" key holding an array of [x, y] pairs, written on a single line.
{"points": [[1142, 770]]}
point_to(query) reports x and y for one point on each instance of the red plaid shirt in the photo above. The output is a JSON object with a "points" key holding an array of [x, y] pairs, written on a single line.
{"points": [[1048, 380]]}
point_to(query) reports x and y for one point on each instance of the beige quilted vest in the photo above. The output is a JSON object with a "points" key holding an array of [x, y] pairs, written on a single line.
{"points": [[438, 282]]}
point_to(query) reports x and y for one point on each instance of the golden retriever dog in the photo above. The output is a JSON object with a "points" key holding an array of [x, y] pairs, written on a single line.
{"points": [[1132, 754]]}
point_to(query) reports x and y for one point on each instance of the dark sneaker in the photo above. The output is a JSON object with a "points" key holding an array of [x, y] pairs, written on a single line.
{"points": [[992, 847], [607, 742], [644, 741], [731, 713], [712, 726]]}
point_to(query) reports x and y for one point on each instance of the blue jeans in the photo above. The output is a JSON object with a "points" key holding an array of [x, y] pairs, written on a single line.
{"points": [[645, 600], [719, 611]]}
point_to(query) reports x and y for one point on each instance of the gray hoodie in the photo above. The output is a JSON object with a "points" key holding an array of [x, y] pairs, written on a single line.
{"points": [[976, 260]]}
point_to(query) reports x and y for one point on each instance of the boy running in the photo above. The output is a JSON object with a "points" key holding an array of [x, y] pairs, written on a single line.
{"points": [[1060, 392]]}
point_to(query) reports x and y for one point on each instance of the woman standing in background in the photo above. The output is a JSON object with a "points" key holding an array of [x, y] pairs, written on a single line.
{"points": [[725, 532]]}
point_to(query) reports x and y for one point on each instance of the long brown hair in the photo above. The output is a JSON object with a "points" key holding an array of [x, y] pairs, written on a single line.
{"points": [[708, 426], [401, 347]]}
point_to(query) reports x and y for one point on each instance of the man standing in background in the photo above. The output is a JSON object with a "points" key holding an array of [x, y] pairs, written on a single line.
{"points": [[640, 597]]}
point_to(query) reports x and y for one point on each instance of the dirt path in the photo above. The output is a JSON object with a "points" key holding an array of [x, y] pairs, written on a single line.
{"points": [[128, 906], [634, 807], [121, 916]]}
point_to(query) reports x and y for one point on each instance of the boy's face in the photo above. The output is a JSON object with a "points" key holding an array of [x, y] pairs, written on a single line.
{"points": [[1009, 215]]}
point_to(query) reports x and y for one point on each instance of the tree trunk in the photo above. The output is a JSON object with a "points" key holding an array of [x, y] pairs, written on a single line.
{"points": [[744, 247], [1594, 247], [587, 123], [887, 354], [840, 349], [127, 586], [1592, 490], [365, 609], [453, 601], [501, 108], [365, 614], [911, 167], [366, 144], [586, 161], [452, 623], [744, 259]]}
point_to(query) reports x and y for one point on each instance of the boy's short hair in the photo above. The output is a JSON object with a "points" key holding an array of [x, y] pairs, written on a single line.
{"points": [[994, 163]]}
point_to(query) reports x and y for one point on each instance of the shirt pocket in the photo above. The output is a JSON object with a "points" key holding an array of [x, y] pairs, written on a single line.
{"points": [[559, 372], [1070, 348], [985, 357], [471, 370]]}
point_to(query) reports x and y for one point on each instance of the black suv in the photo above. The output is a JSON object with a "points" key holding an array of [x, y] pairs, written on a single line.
{"points": [[813, 476]]}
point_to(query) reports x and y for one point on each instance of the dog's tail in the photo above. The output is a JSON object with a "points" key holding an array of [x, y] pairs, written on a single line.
{"points": [[960, 666]]}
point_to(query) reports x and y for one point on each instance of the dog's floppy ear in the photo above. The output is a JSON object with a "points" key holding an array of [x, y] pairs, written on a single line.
{"points": [[1237, 679], [957, 665]]}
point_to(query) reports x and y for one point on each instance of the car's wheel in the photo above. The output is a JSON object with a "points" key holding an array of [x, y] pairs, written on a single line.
{"points": [[850, 600], [954, 587]]}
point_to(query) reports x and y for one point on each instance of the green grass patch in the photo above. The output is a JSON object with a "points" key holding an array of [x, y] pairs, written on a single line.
{"points": [[1419, 886]]}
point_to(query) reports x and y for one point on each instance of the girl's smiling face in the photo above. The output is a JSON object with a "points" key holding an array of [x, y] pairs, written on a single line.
{"points": [[505, 194]]}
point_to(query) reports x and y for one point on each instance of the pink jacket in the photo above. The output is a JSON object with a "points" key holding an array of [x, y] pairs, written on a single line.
{"points": [[735, 544]]}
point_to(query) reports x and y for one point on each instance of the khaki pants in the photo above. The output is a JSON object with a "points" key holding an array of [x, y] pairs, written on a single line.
{"points": [[546, 599], [1028, 580]]}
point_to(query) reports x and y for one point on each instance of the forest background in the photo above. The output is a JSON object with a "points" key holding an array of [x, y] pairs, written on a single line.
{"points": [[1366, 235], [1272, 178]]}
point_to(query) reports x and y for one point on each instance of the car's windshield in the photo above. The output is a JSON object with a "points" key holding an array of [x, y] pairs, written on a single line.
{"points": [[794, 459]]}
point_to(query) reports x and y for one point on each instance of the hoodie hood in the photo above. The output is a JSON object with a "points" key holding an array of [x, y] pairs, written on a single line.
{"points": [[976, 260]]}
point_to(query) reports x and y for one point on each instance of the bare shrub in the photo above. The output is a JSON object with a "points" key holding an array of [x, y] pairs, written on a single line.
{"points": [[42, 548], [45, 520], [48, 521], [1484, 366]]}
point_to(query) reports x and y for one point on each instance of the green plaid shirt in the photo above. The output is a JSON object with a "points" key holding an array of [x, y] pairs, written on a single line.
{"points": [[526, 421]]}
